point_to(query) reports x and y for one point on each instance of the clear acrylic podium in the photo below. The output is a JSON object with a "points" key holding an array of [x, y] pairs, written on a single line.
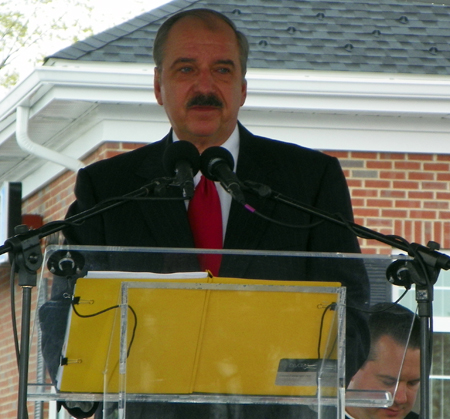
{"points": [[144, 330]]}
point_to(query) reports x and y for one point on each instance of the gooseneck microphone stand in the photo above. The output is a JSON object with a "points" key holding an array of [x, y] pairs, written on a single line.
{"points": [[423, 270], [26, 257]]}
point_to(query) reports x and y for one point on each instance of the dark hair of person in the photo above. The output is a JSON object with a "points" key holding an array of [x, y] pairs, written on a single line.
{"points": [[395, 321], [207, 16]]}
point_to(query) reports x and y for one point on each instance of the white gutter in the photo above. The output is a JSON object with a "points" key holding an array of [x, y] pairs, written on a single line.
{"points": [[26, 144]]}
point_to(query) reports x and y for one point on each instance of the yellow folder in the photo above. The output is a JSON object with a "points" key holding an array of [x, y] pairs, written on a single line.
{"points": [[261, 340]]}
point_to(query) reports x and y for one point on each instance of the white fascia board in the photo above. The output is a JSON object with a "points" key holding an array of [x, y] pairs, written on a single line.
{"points": [[358, 132], [104, 83], [272, 89], [353, 139], [276, 89], [322, 82], [373, 93], [79, 83]]}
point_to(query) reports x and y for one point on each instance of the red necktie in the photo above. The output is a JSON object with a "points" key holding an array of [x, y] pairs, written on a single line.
{"points": [[205, 217]]}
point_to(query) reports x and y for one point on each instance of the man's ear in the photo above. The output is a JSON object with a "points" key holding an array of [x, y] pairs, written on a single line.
{"points": [[243, 91], [157, 86]]}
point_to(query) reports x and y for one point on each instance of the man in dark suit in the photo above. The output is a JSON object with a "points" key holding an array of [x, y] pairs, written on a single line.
{"points": [[200, 81], [393, 363]]}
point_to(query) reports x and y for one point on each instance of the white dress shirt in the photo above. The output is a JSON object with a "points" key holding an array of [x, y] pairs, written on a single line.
{"points": [[232, 145]]}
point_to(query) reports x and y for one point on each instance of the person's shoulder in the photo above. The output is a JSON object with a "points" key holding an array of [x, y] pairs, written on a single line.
{"points": [[284, 157], [288, 150]]}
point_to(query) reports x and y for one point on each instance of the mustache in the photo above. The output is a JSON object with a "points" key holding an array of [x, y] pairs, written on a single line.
{"points": [[205, 100]]}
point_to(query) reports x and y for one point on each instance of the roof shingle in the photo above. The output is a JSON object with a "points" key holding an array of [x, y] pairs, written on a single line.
{"points": [[337, 35]]}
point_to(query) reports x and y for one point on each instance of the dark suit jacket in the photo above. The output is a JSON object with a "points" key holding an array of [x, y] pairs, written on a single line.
{"points": [[299, 173], [308, 176]]}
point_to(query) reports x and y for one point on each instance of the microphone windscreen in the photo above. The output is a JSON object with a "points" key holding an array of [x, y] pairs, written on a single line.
{"points": [[210, 157], [181, 151]]}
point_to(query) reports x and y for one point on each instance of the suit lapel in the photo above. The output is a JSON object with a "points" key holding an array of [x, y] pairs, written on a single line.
{"points": [[245, 229], [166, 220]]}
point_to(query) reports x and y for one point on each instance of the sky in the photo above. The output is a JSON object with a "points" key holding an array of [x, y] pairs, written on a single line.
{"points": [[113, 12], [108, 14], [105, 14]]}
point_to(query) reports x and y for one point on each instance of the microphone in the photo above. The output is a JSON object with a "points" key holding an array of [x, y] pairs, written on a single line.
{"points": [[397, 273], [68, 264], [216, 163], [183, 159]]}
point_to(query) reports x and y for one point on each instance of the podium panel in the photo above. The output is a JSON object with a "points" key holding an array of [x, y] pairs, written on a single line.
{"points": [[237, 337], [130, 328]]}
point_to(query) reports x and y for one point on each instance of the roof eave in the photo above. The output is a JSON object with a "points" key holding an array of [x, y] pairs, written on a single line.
{"points": [[331, 91]]}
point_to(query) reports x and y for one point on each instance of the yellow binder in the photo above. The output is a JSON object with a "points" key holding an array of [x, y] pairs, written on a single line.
{"points": [[215, 341]]}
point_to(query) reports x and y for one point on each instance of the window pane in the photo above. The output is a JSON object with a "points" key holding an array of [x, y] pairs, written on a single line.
{"points": [[440, 372]]}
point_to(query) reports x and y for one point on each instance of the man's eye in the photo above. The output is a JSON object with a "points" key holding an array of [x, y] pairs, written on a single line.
{"points": [[223, 70], [185, 69], [389, 383]]}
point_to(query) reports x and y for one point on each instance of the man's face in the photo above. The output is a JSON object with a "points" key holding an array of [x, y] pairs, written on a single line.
{"points": [[381, 374], [201, 85]]}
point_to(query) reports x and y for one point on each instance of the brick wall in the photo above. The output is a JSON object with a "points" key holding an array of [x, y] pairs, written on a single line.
{"points": [[403, 194]]}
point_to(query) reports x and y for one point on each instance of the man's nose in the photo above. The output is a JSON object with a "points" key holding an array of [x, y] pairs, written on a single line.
{"points": [[205, 81], [401, 396]]}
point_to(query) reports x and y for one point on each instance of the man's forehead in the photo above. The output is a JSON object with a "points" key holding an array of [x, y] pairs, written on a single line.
{"points": [[386, 362], [197, 50], [187, 42]]}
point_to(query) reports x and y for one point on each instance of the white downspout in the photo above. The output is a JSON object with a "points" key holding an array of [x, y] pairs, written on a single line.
{"points": [[26, 144]]}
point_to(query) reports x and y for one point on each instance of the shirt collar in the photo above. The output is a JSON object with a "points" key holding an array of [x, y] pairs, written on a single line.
{"points": [[231, 144]]}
